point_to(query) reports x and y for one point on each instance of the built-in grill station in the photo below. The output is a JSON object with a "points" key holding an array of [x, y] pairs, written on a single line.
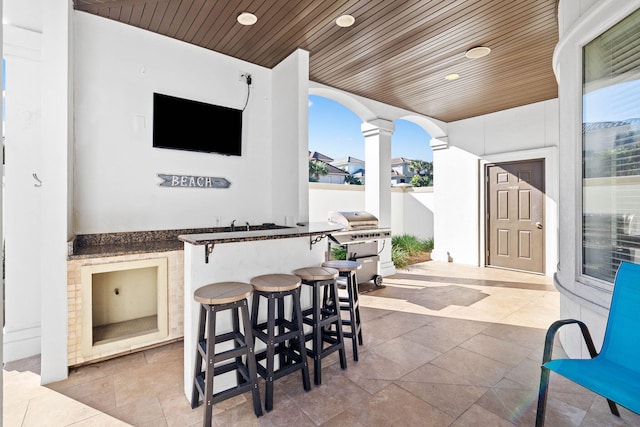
{"points": [[360, 239]]}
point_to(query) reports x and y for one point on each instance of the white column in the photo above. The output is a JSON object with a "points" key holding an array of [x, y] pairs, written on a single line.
{"points": [[439, 146], [1, 223], [57, 190], [377, 190], [290, 158], [22, 214]]}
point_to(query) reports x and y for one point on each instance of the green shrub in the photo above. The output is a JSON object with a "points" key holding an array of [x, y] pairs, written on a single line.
{"points": [[399, 256], [410, 244], [428, 244], [405, 246], [338, 253]]}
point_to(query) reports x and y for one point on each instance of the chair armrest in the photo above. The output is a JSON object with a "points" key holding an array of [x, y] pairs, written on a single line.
{"points": [[551, 334]]}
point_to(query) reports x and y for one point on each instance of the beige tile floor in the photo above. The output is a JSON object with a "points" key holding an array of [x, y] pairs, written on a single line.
{"points": [[445, 345]]}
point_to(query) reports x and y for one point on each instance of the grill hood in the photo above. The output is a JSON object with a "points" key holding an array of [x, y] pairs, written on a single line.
{"points": [[357, 220]]}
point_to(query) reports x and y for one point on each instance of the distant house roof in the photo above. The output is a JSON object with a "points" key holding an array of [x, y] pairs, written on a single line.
{"points": [[332, 170], [348, 160], [319, 156], [397, 160], [336, 171]]}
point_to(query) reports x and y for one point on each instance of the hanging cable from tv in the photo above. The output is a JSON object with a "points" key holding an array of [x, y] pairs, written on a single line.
{"points": [[247, 78]]}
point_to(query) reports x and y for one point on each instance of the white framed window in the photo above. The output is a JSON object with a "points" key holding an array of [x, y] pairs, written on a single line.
{"points": [[611, 150]]}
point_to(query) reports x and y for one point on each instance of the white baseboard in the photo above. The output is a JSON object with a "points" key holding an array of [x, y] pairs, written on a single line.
{"points": [[20, 344]]}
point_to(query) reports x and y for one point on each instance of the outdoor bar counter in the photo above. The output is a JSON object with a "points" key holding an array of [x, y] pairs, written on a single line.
{"points": [[238, 256]]}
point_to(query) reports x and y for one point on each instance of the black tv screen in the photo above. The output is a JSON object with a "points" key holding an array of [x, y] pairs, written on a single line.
{"points": [[183, 124]]}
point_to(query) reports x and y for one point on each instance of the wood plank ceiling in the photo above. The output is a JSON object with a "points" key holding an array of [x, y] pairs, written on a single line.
{"points": [[397, 52]]}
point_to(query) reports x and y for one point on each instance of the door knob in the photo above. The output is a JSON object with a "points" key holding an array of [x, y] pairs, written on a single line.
{"points": [[538, 224]]}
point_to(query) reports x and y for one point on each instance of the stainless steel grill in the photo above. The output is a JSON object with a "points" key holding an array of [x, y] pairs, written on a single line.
{"points": [[360, 239], [360, 227]]}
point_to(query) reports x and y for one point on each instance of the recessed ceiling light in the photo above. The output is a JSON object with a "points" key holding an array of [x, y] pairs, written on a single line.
{"points": [[477, 52], [345, 21], [246, 18], [451, 77]]}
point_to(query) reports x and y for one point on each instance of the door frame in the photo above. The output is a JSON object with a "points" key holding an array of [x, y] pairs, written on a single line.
{"points": [[535, 245], [551, 182]]}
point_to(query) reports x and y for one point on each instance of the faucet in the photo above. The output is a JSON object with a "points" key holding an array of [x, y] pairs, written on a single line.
{"points": [[248, 226], [233, 225]]}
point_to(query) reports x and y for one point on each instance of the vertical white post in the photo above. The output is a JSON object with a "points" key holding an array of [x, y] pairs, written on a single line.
{"points": [[439, 146], [1, 218], [57, 190], [377, 190]]}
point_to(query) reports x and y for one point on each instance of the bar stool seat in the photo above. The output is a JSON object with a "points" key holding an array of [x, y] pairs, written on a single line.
{"points": [[350, 303], [321, 317], [288, 342], [275, 282], [213, 299]]}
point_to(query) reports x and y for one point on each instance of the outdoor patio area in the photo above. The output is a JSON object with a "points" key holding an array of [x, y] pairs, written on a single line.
{"points": [[444, 345]]}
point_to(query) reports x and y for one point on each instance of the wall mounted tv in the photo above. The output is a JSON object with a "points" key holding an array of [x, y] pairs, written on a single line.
{"points": [[183, 124]]}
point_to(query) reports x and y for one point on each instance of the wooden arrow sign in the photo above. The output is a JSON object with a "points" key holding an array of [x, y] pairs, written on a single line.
{"points": [[190, 181]]}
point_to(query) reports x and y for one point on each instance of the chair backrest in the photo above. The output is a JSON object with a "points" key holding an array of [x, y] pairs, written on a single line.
{"points": [[622, 336]]}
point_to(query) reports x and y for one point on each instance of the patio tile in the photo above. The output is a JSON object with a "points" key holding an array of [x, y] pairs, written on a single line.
{"points": [[405, 352], [98, 393], [177, 410], [336, 394], [395, 406], [444, 345], [478, 416], [143, 411], [395, 324], [515, 405], [453, 399], [54, 409], [525, 375], [503, 351], [525, 336], [430, 373], [100, 420], [13, 414], [599, 415], [477, 369], [376, 367]]}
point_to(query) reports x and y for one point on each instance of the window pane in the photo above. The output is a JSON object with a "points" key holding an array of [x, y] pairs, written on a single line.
{"points": [[611, 150]]}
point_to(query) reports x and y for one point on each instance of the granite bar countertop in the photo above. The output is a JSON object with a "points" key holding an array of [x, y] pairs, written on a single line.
{"points": [[137, 242], [306, 230]]}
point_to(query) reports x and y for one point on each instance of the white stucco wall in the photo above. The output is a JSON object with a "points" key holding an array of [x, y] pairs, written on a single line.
{"points": [[412, 210], [99, 80], [117, 70], [22, 52], [582, 297], [289, 149], [418, 212], [527, 132]]}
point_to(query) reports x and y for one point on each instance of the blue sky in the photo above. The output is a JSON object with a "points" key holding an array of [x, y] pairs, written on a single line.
{"points": [[612, 103], [334, 130]]}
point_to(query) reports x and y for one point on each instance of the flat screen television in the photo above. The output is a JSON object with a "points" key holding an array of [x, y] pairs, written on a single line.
{"points": [[183, 124]]}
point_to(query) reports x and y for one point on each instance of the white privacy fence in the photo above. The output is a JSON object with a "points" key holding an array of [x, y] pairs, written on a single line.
{"points": [[411, 208]]}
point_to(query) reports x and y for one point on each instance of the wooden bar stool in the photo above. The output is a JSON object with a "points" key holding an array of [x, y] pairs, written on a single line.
{"points": [[321, 319], [214, 299], [275, 287], [351, 302]]}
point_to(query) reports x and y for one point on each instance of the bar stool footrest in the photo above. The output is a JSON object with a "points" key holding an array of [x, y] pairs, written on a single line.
{"points": [[224, 355], [259, 331], [222, 395]]}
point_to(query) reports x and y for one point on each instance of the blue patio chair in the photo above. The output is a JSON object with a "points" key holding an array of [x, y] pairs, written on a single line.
{"points": [[614, 373]]}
